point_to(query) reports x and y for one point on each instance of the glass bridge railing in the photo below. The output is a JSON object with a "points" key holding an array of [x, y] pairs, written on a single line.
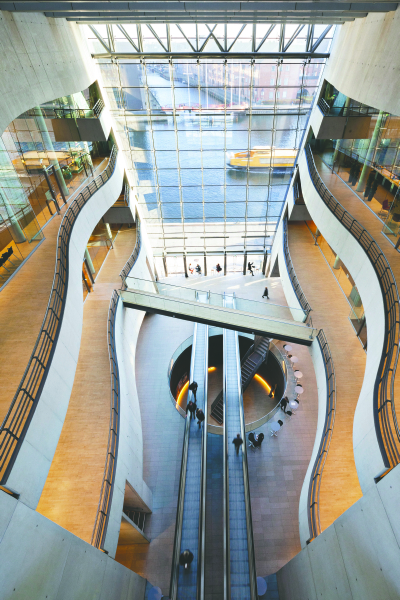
{"points": [[280, 318]]}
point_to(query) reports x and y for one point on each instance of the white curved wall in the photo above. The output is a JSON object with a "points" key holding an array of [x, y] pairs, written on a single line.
{"points": [[130, 449], [366, 449], [33, 462], [40, 59], [365, 61]]}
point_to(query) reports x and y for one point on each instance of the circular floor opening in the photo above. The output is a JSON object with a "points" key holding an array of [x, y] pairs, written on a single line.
{"points": [[260, 396]]}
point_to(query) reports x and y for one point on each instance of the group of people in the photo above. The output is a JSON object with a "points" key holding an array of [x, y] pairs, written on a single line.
{"points": [[192, 406], [197, 268]]}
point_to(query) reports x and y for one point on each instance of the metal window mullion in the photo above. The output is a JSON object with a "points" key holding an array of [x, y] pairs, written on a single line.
{"points": [[139, 37], [128, 37], [154, 153], [177, 152], [225, 67], [216, 41], [248, 150], [282, 37], [201, 153], [272, 27]]}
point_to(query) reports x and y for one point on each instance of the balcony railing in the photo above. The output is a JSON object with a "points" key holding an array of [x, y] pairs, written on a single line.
{"points": [[346, 111], [292, 275], [25, 401], [316, 475], [66, 112], [386, 426], [107, 487], [133, 257]]}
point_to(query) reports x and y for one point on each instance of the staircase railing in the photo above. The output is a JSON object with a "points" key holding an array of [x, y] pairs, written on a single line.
{"points": [[27, 396], [386, 426]]}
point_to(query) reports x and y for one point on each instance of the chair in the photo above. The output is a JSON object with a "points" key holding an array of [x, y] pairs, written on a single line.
{"points": [[259, 441], [289, 413], [384, 209]]}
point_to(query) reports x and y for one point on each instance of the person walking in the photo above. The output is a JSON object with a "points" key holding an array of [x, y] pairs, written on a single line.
{"points": [[284, 402], [265, 294], [238, 442], [250, 267], [191, 407], [200, 417], [193, 388], [186, 559]]}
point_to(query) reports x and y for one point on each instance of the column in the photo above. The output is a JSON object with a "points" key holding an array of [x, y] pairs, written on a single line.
{"points": [[336, 152], [48, 145], [371, 151], [10, 177], [89, 262], [336, 264]]}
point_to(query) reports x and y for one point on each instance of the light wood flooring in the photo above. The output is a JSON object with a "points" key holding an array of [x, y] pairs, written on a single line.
{"points": [[360, 211], [340, 487], [23, 303], [72, 490]]}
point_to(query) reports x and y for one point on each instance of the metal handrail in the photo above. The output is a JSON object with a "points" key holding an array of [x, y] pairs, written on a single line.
{"points": [[316, 474], [292, 274], [249, 520], [386, 426], [98, 107], [345, 111], [133, 257], [107, 486], [17, 420], [173, 589]]}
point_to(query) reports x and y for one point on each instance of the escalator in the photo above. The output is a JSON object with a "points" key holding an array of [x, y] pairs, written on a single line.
{"points": [[190, 522], [239, 564]]}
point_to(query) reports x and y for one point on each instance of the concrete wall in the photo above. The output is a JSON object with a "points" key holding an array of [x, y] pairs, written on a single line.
{"points": [[130, 449], [39, 559], [40, 59], [34, 458], [365, 61], [356, 558], [366, 450]]}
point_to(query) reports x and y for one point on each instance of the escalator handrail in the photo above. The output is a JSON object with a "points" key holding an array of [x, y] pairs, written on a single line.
{"points": [[203, 485], [226, 532], [249, 521], [182, 483]]}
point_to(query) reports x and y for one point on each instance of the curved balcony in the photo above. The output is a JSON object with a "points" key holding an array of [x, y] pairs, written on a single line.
{"points": [[376, 434], [32, 425]]}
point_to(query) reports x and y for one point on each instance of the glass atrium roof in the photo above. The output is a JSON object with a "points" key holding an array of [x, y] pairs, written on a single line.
{"points": [[211, 141]]}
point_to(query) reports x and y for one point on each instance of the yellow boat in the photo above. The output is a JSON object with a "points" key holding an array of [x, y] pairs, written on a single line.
{"points": [[263, 157]]}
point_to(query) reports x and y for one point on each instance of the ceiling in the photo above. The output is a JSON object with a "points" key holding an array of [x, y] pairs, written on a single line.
{"points": [[203, 11]]}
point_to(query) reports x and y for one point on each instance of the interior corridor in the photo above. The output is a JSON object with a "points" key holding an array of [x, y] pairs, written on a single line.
{"points": [[372, 224], [23, 303], [330, 310], [71, 494]]}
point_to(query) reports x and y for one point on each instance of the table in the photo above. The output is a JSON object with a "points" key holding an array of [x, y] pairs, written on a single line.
{"points": [[293, 405], [298, 374], [287, 348], [261, 586], [299, 389], [294, 359], [275, 427]]}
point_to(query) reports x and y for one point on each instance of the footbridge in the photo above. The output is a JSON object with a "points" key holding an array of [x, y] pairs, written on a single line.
{"points": [[248, 316]]}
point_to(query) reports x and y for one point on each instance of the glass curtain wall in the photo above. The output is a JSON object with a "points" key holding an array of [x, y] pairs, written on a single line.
{"points": [[370, 166], [211, 144]]}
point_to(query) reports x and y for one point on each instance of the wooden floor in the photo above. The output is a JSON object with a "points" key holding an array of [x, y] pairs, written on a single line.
{"points": [[372, 224], [72, 490], [23, 303], [339, 486]]}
